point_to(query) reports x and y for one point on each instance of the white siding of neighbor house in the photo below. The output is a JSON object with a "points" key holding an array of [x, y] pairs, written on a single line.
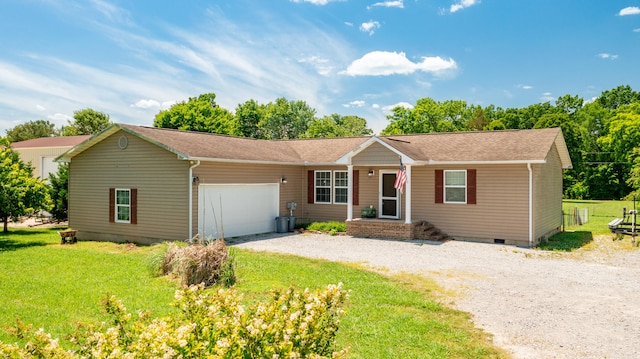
{"points": [[162, 183], [42, 157]]}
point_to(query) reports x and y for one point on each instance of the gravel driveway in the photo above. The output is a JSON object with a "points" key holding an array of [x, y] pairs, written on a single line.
{"points": [[536, 304]]}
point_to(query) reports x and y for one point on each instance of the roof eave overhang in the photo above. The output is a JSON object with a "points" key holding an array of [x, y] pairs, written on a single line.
{"points": [[78, 149], [502, 162]]}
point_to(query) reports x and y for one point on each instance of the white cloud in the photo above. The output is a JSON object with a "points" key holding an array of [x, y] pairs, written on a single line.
{"points": [[145, 104], [631, 10], [636, 30], [399, 104], [547, 97], [356, 103], [314, 2], [524, 87], [608, 56], [462, 5], [40, 108], [369, 27], [375, 105], [397, 3], [383, 63]]}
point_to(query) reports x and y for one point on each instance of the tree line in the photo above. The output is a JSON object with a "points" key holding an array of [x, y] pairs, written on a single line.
{"points": [[602, 135]]}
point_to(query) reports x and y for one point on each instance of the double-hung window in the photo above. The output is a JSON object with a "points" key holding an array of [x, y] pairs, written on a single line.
{"points": [[123, 205], [340, 186], [331, 187], [323, 186], [455, 186]]}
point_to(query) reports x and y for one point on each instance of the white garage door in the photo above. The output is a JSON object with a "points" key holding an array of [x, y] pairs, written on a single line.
{"points": [[237, 209]]}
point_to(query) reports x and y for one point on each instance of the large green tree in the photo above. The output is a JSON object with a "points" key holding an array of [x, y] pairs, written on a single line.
{"points": [[200, 114], [429, 115], [338, 126], [59, 192], [622, 142], [20, 192], [86, 122], [285, 119], [30, 130]]}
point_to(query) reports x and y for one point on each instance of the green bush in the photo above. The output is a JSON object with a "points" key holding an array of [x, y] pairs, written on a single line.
{"points": [[206, 324], [328, 227]]}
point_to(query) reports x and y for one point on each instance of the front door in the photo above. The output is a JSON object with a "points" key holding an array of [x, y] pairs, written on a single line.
{"points": [[389, 196]]}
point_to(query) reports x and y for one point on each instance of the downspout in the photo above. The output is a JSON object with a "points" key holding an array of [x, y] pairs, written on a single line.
{"points": [[193, 165], [530, 204], [350, 193]]}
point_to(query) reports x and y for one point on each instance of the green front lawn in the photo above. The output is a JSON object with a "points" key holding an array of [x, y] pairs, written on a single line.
{"points": [[53, 286]]}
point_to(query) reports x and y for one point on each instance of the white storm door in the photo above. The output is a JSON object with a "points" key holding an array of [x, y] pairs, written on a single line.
{"points": [[389, 196]]}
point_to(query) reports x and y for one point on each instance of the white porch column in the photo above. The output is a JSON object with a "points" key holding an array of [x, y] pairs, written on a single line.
{"points": [[350, 193], [407, 196]]}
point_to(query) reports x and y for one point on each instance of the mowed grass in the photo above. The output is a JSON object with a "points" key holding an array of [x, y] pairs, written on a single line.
{"points": [[583, 236], [53, 286]]}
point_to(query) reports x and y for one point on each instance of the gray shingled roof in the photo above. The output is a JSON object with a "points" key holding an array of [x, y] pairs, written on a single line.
{"points": [[498, 146], [489, 146]]}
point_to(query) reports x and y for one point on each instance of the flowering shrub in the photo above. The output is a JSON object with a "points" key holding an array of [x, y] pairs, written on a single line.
{"points": [[206, 324]]}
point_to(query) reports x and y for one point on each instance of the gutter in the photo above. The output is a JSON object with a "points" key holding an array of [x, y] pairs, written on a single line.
{"points": [[193, 165]]}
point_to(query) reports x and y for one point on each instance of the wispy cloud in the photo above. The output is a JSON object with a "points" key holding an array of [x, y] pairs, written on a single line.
{"points": [[314, 2], [631, 10], [547, 97], [524, 87], [356, 103], [608, 56], [384, 63], [395, 3], [399, 104], [369, 27], [636, 30], [462, 5]]}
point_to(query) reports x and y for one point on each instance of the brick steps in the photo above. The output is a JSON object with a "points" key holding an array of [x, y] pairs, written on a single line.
{"points": [[376, 228]]}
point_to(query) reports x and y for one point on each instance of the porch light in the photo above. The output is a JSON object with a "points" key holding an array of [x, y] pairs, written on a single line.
{"points": [[370, 173], [283, 179]]}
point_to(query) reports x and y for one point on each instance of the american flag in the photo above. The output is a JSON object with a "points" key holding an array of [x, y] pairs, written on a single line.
{"points": [[401, 179]]}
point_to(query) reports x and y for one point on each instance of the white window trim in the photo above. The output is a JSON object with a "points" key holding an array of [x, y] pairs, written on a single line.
{"points": [[315, 186], [116, 205], [333, 190], [445, 186]]}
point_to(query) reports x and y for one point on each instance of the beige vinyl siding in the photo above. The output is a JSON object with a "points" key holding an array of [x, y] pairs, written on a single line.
{"points": [[318, 212], [547, 196], [501, 211], [234, 173], [161, 180], [36, 156], [376, 154]]}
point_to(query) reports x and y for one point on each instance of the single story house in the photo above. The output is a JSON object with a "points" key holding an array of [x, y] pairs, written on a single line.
{"points": [[145, 184], [42, 152]]}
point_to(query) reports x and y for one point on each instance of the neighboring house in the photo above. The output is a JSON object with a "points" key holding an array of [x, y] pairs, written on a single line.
{"points": [[144, 184], [42, 152]]}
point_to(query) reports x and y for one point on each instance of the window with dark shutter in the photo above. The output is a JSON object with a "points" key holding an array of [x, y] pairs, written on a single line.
{"points": [[112, 205], [471, 186], [356, 187], [311, 195], [439, 195]]}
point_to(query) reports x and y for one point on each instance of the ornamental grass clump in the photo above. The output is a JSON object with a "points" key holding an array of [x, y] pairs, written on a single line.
{"points": [[202, 262], [206, 324]]}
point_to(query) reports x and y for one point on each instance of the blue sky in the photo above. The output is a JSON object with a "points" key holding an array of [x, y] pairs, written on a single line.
{"points": [[130, 59]]}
